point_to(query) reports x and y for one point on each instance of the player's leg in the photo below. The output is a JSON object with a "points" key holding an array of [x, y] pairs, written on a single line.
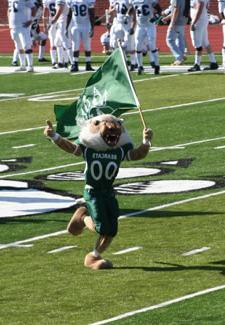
{"points": [[213, 64], [196, 37], [140, 35], [151, 44], [26, 41], [85, 34], [75, 33], [18, 46]]}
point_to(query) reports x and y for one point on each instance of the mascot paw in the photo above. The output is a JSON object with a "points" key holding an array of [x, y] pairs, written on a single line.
{"points": [[96, 263], [76, 224]]}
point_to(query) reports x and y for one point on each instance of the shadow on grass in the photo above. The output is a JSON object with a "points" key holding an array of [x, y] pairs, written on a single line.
{"points": [[169, 267], [167, 214]]}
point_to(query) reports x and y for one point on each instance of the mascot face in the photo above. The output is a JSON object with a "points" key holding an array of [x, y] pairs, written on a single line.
{"points": [[103, 132]]}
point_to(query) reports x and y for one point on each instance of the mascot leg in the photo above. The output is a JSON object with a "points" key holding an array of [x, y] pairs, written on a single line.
{"points": [[76, 224], [93, 260]]}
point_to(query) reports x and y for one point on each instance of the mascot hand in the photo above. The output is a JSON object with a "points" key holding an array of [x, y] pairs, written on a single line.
{"points": [[49, 130], [147, 135]]}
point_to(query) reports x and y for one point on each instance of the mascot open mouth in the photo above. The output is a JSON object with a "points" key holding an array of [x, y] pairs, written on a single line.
{"points": [[110, 132], [111, 139]]}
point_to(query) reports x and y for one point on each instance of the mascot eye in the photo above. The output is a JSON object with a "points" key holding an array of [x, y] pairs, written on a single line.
{"points": [[96, 122]]}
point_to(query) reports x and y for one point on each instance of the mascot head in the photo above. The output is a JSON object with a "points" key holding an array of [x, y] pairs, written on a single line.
{"points": [[103, 132]]}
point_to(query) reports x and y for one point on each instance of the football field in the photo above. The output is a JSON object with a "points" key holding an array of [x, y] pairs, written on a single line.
{"points": [[169, 254]]}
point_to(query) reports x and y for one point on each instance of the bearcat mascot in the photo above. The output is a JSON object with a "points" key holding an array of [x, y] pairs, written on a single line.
{"points": [[104, 143]]}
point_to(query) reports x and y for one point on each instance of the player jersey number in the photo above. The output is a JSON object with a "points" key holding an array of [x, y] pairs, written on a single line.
{"points": [[143, 10], [14, 6], [121, 8], [80, 10], [97, 171], [52, 9]]}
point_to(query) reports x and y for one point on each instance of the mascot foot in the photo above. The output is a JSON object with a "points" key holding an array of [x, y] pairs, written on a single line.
{"points": [[96, 263], [76, 224]]}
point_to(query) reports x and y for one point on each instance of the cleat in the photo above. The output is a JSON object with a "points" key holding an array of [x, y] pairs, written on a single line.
{"points": [[54, 66], [14, 63], [89, 67], [43, 60], [60, 65], [30, 69], [76, 224], [132, 67], [21, 68], [212, 66], [152, 64], [195, 68], [140, 70], [156, 69], [74, 67], [177, 62]]}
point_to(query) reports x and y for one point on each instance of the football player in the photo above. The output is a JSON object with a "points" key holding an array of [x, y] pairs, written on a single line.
{"points": [[145, 32], [199, 34], [221, 9], [82, 29], [20, 16]]}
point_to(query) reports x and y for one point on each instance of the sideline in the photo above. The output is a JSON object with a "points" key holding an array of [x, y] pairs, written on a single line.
{"points": [[163, 304], [201, 197]]}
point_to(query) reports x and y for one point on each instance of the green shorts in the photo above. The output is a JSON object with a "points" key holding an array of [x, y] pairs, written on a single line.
{"points": [[104, 211]]}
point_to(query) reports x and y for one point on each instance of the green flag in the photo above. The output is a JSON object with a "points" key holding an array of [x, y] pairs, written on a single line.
{"points": [[108, 91]]}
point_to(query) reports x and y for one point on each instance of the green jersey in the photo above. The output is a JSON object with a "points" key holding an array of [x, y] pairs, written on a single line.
{"points": [[102, 166]]}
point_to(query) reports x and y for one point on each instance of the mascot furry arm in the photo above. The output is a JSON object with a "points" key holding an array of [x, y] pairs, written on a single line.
{"points": [[102, 133]]}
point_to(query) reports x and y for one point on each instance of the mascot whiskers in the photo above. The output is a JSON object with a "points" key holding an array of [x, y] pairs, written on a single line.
{"points": [[104, 143]]}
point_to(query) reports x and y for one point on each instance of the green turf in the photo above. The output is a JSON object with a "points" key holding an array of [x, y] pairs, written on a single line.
{"points": [[41, 288]]}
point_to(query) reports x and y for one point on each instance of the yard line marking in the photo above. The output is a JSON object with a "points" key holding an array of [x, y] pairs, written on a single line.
{"points": [[177, 106], [178, 146], [196, 251], [131, 249], [220, 147], [128, 113], [53, 234], [163, 304], [2, 246], [42, 170], [196, 198], [24, 146], [60, 249]]}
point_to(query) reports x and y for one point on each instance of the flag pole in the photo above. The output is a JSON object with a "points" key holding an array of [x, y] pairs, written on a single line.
{"points": [[132, 86], [142, 117]]}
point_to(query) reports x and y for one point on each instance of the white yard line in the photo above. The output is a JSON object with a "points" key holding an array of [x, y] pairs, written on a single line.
{"points": [[42, 170], [201, 197], [24, 146], [163, 304], [61, 249], [196, 251], [178, 146], [128, 250], [127, 113], [16, 243]]}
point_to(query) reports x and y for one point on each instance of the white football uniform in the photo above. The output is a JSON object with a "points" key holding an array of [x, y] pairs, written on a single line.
{"points": [[145, 30], [199, 37], [81, 25], [19, 12], [36, 34], [50, 6], [61, 39], [120, 29]]}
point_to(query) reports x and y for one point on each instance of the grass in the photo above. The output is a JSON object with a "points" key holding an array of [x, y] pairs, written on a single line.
{"points": [[42, 288]]}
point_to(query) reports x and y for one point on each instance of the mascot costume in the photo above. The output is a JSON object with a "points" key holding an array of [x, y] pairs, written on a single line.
{"points": [[104, 143]]}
